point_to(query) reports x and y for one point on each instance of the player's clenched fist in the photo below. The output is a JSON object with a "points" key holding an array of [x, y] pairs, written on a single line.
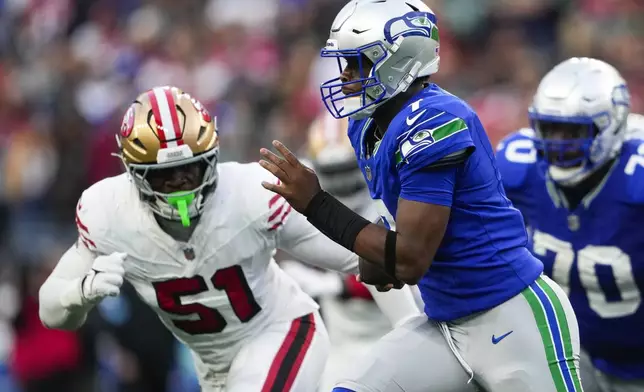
{"points": [[104, 279]]}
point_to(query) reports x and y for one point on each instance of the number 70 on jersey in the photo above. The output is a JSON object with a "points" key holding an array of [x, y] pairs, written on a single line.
{"points": [[605, 273]]}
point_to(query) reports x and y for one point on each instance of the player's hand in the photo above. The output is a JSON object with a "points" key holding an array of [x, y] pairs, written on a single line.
{"points": [[298, 184], [104, 279], [383, 288]]}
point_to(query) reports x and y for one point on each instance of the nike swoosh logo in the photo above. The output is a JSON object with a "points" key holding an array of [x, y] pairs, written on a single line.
{"points": [[411, 121], [496, 340]]}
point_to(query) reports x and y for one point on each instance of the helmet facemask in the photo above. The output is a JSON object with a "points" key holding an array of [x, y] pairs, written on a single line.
{"points": [[359, 104], [571, 146], [564, 144], [179, 205]]}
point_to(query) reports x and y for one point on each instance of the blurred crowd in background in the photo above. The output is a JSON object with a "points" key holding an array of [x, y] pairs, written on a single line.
{"points": [[69, 68]]}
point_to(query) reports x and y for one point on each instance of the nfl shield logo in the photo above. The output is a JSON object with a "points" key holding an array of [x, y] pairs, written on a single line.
{"points": [[189, 253], [573, 222], [367, 172]]}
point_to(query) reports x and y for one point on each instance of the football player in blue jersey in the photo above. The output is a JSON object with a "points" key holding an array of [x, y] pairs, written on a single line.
{"points": [[578, 178], [490, 316]]}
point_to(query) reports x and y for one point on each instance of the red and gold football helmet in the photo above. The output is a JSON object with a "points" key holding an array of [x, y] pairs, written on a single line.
{"points": [[166, 128]]}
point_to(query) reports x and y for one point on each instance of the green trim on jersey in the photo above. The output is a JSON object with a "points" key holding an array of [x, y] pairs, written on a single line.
{"points": [[426, 137], [560, 368]]}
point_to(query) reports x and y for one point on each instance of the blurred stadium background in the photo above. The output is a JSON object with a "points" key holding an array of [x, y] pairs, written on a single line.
{"points": [[68, 69]]}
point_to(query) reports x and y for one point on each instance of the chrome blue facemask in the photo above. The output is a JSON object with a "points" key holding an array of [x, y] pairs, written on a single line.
{"points": [[568, 152], [372, 90]]}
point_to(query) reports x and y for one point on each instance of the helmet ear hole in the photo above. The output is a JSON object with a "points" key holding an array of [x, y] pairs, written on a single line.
{"points": [[139, 143], [202, 132]]}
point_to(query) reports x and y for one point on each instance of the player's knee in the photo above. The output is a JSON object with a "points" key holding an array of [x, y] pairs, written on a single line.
{"points": [[342, 389]]}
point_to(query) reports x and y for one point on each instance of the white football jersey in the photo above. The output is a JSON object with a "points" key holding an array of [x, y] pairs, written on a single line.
{"points": [[222, 286], [353, 318]]}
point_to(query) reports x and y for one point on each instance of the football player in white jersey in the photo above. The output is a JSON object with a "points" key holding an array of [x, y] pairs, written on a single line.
{"points": [[196, 240], [352, 318]]}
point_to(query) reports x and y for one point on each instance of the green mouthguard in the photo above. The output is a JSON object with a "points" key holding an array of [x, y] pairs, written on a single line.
{"points": [[181, 200]]}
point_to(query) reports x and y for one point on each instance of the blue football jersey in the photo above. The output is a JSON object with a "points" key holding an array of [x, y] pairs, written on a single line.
{"points": [[483, 260], [594, 251]]}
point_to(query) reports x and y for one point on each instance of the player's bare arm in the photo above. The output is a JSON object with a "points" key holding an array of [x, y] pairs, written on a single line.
{"points": [[419, 231], [405, 254], [306, 243]]}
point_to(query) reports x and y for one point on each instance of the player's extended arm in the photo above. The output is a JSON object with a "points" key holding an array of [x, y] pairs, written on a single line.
{"points": [[422, 215], [60, 297], [427, 183], [419, 231], [304, 242], [78, 282]]}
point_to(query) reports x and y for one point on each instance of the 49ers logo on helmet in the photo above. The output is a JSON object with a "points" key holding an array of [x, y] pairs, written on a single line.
{"points": [[128, 122]]}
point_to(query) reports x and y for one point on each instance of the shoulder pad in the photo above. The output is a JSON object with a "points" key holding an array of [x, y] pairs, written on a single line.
{"points": [[433, 105], [631, 169], [426, 132], [516, 157], [93, 217], [631, 160], [635, 127], [631, 150], [259, 204]]}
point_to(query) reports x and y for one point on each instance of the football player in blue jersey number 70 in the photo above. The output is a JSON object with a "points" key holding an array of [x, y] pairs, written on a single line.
{"points": [[491, 316], [578, 177]]}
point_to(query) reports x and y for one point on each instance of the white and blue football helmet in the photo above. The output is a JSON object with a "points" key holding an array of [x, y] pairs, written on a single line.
{"points": [[400, 39], [589, 100]]}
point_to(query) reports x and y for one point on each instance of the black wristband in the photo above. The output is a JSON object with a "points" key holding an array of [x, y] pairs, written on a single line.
{"points": [[390, 253], [334, 219]]}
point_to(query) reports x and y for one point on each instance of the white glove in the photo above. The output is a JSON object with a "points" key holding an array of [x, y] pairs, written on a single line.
{"points": [[105, 278]]}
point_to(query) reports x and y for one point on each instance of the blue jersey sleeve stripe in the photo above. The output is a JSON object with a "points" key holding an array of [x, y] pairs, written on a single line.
{"points": [[448, 129], [429, 137], [434, 122], [437, 122]]}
